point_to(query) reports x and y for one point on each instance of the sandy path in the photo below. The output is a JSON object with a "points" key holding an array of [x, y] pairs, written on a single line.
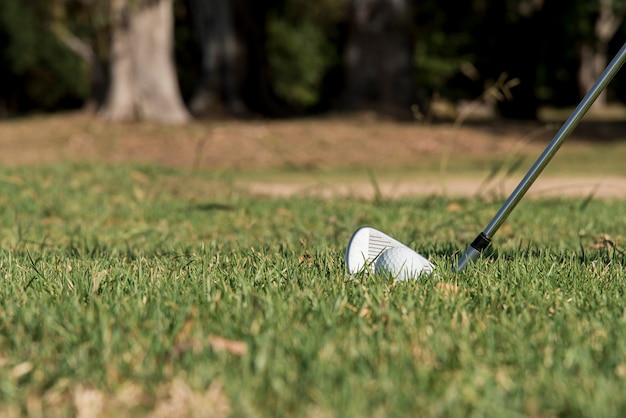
{"points": [[601, 187]]}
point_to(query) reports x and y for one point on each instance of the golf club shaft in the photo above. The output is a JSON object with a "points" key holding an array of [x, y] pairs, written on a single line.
{"points": [[484, 238]]}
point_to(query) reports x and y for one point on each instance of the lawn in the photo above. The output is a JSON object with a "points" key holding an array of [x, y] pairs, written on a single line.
{"points": [[136, 289]]}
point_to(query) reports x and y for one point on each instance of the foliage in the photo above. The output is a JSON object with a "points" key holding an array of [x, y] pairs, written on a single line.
{"points": [[89, 21], [130, 290], [456, 54], [299, 56], [442, 47], [37, 71], [303, 46]]}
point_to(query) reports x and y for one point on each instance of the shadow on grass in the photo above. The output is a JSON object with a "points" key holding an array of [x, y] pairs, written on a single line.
{"points": [[213, 206], [605, 253], [582, 256]]}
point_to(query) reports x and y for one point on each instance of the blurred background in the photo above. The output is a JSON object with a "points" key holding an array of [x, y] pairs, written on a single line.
{"points": [[175, 60]]}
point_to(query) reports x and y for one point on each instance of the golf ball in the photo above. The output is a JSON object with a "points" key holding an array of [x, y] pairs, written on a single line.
{"points": [[402, 263]]}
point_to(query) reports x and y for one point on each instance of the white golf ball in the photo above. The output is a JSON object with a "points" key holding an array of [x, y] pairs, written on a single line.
{"points": [[402, 263]]}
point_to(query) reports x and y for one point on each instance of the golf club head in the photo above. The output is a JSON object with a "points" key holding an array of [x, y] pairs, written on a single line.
{"points": [[367, 244]]}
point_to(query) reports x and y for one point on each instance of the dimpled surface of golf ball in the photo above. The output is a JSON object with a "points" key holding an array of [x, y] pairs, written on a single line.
{"points": [[402, 264]]}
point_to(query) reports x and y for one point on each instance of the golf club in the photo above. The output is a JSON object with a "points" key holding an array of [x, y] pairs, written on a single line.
{"points": [[367, 244]]}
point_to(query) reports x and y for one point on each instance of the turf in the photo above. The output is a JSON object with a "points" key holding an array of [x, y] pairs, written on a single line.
{"points": [[143, 291]]}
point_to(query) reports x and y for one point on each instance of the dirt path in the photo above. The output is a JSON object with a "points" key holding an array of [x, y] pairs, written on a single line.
{"points": [[600, 187], [307, 145]]}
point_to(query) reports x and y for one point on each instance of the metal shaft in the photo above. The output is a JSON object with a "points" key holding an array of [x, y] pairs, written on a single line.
{"points": [[484, 238]]}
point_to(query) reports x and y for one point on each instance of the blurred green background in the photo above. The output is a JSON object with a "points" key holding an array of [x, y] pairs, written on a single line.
{"points": [[295, 57]]}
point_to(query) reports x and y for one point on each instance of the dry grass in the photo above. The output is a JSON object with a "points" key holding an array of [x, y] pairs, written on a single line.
{"points": [[359, 140], [285, 157]]}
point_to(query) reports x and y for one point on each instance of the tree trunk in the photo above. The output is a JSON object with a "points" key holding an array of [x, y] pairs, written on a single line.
{"points": [[215, 34], [594, 55], [379, 57], [257, 91], [143, 76]]}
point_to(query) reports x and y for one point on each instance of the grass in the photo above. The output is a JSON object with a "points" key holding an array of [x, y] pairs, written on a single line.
{"points": [[140, 291]]}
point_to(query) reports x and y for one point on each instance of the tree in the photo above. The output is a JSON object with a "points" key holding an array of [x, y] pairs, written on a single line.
{"points": [[37, 72], [142, 70], [378, 58], [214, 30], [304, 46], [83, 27], [594, 49], [257, 89], [235, 73]]}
